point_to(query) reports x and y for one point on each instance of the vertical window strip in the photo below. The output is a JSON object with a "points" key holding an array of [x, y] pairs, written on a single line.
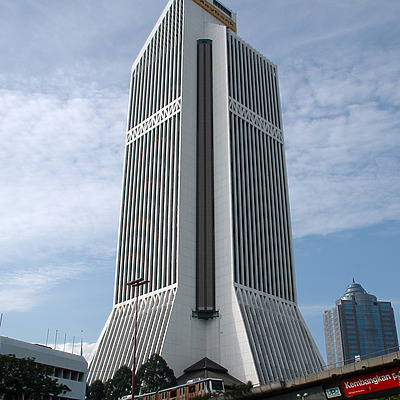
{"points": [[152, 212], [157, 74], [266, 209], [234, 69], [240, 73], [262, 204], [278, 181], [286, 227], [272, 220], [244, 75], [256, 83], [253, 245], [140, 90], [278, 102], [257, 245], [232, 131], [135, 97], [141, 217], [261, 89], [130, 107], [277, 248], [250, 80], [264, 88], [163, 207], [229, 58], [153, 63], [165, 201], [239, 206], [127, 223], [275, 92], [245, 202], [118, 274], [132, 244], [175, 192], [167, 80], [145, 221], [126, 226], [271, 274], [268, 91], [156, 260], [170, 146], [129, 240], [146, 96], [287, 267], [242, 205], [168, 199], [150, 78]]}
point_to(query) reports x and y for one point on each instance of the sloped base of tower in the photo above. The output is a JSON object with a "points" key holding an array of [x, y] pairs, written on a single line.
{"points": [[115, 346], [279, 339]]}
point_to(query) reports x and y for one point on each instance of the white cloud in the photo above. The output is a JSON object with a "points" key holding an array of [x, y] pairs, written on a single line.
{"points": [[61, 163], [25, 289], [59, 189], [341, 120], [76, 347]]}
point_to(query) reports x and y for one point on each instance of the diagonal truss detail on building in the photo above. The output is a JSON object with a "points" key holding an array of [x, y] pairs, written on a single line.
{"points": [[243, 112], [278, 336], [116, 341], [155, 120]]}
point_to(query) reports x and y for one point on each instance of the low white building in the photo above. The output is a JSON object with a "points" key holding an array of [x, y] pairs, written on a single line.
{"points": [[68, 369]]}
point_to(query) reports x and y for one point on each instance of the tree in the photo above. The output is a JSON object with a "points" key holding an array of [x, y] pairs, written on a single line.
{"points": [[122, 382], [96, 391], [23, 377], [117, 386], [154, 375]]}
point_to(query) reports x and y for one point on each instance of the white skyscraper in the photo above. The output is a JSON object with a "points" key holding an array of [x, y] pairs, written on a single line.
{"points": [[205, 210]]}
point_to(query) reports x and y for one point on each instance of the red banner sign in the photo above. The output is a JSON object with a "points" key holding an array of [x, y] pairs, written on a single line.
{"points": [[375, 382]]}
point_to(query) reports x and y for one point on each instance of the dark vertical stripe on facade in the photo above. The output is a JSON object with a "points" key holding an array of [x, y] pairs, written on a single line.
{"points": [[205, 242]]}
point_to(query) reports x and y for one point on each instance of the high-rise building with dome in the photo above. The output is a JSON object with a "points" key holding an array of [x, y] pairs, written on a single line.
{"points": [[205, 209], [359, 327]]}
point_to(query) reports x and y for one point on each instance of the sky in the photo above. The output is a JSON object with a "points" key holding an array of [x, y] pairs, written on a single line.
{"points": [[64, 83]]}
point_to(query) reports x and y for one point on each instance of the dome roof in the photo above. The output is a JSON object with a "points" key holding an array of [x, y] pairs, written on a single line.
{"points": [[357, 293], [352, 290]]}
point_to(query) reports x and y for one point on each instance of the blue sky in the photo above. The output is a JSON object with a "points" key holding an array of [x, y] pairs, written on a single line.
{"points": [[64, 81]]}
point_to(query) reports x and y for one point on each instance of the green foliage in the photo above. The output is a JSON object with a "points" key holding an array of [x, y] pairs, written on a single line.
{"points": [[96, 391], [23, 377], [123, 381], [114, 388], [154, 375], [239, 391], [394, 397]]}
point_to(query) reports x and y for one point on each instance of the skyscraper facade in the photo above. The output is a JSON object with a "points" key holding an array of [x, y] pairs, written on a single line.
{"points": [[205, 210], [358, 327]]}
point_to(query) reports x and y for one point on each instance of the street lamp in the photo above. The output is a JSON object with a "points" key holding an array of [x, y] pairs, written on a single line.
{"points": [[135, 284], [302, 396]]}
